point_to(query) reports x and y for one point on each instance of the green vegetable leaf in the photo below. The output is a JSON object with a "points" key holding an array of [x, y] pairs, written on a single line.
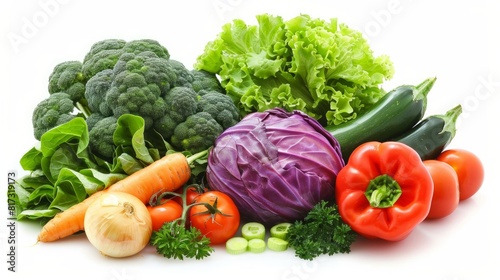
{"points": [[174, 240], [321, 232], [64, 157], [43, 214], [129, 164], [41, 194], [78, 184], [105, 179], [130, 132], [73, 130], [63, 200], [32, 159]]}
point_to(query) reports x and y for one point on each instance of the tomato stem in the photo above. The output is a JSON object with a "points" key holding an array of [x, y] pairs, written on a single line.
{"points": [[383, 191], [157, 198]]}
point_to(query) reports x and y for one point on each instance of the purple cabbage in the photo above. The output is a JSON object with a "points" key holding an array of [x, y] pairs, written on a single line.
{"points": [[275, 165]]}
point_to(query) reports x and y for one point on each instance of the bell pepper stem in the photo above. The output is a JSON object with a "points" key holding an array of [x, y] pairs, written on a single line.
{"points": [[383, 191]]}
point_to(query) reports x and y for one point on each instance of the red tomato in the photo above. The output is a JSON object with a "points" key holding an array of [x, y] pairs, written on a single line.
{"points": [[469, 169], [168, 211], [446, 194], [219, 221]]}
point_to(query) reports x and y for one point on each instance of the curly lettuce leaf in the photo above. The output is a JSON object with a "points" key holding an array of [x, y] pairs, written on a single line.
{"points": [[322, 68]]}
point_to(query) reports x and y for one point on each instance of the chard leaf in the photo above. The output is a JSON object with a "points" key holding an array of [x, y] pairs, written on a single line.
{"points": [[77, 184], [74, 130], [37, 214], [32, 159], [130, 132], [63, 200]]}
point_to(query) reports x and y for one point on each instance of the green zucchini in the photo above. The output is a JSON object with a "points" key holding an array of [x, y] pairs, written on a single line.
{"points": [[431, 135], [396, 112]]}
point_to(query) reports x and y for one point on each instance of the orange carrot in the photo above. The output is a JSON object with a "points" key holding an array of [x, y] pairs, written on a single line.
{"points": [[166, 174]]}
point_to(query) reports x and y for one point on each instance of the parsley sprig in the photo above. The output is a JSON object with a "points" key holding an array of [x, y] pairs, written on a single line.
{"points": [[175, 240], [322, 231]]}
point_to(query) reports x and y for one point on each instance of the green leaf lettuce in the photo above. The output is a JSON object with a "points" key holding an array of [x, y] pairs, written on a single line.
{"points": [[322, 68]]}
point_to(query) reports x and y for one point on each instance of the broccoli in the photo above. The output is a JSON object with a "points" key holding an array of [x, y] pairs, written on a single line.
{"points": [[93, 119], [187, 108], [197, 133], [184, 76], [95, 92], [68, 77], [104, 54], [213, 111], [165, 126], [142, 45], [53, 111], [101, 137], [104, 45], [221, 107], [203, 80], [101, 56], [139, 82], [180, 103]]}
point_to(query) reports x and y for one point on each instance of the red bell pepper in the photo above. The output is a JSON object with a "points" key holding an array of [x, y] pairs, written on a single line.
{"points": [[384, 190]]}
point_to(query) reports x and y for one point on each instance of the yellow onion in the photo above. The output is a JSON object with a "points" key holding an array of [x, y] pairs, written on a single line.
{"points": [[118, 224]]}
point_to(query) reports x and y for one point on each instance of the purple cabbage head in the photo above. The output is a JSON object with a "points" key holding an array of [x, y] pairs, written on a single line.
{"points": [[275, 165]]}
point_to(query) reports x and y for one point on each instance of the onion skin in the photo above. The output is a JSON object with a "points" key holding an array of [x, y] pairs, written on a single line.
{"points": [[118, 224]]}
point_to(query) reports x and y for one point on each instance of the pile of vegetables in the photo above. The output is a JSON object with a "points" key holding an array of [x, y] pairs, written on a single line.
{"points": [[281, 132], [125, 106]]}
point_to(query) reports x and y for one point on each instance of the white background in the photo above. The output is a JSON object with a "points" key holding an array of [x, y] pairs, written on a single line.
{"points": [[456, 41]]}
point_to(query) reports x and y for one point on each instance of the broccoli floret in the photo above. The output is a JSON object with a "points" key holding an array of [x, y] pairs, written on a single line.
{"points": [[95, 92], [53, 111], [102, 55], [180, 103], [184, 76], [203, 80], [68, 77], [221, 107], [139, 82], [154, 69], [197, 133], [165, 126], [101, 137], [93, 119], [142, 45], [106, 44]]}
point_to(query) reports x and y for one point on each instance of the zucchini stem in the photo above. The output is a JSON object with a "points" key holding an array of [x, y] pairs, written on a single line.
{"points": [[450, 119], [422, 90]]}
